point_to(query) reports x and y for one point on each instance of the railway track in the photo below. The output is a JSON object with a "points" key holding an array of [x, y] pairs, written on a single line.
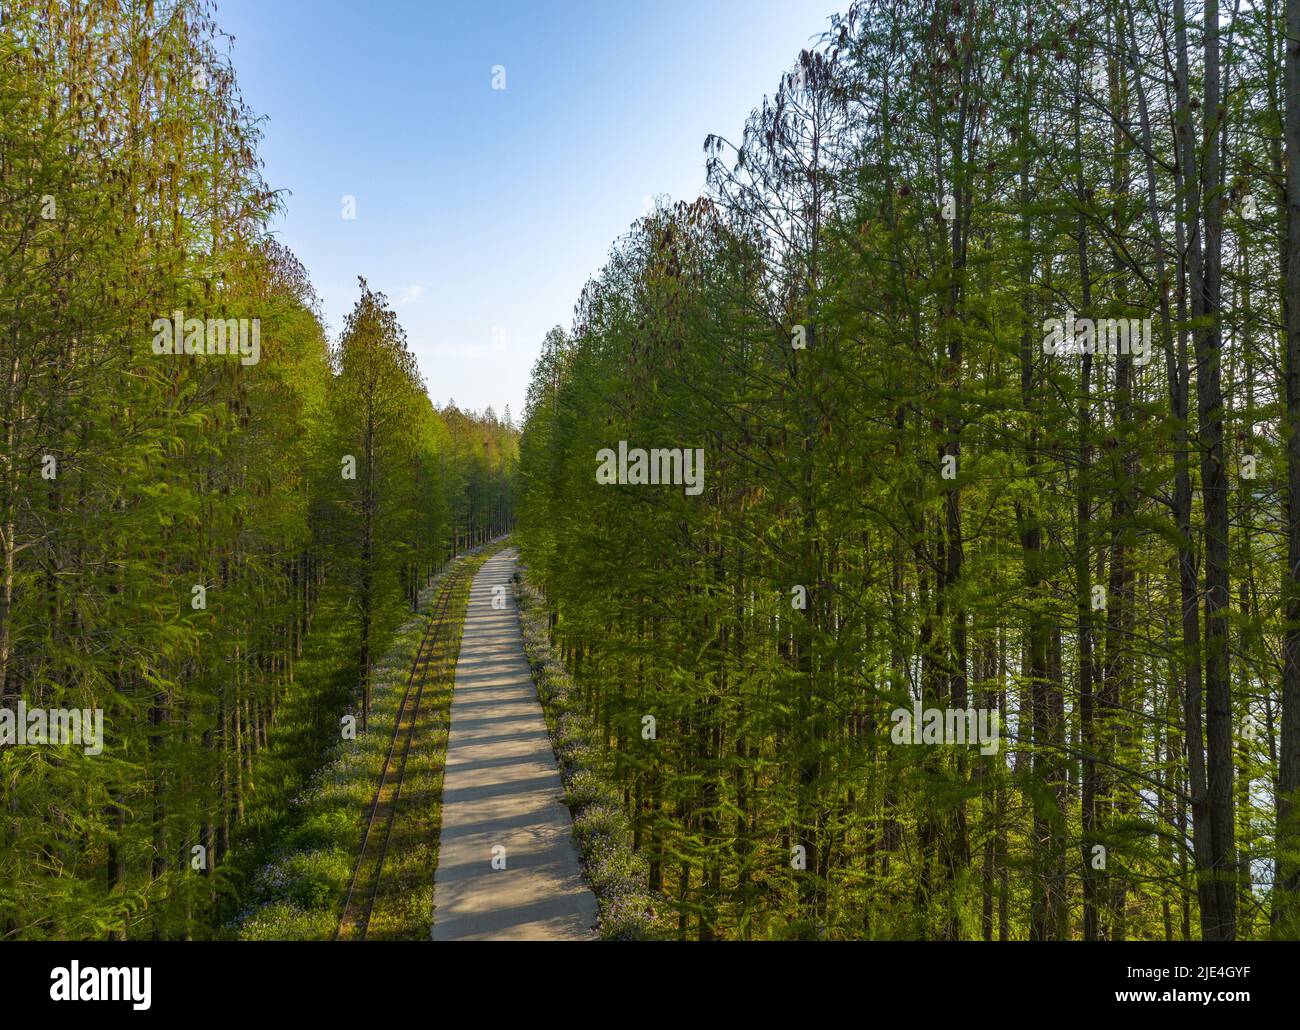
{"points": [[354, 923]]}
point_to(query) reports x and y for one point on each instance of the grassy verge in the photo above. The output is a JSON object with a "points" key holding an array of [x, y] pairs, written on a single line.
{"points": [[617, 874], [304, 738], [297, 891], [404, 905]]}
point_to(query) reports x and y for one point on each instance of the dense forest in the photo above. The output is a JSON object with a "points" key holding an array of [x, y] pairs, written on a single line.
{"points": [[196, 479], [909, 524], [987, 332]]}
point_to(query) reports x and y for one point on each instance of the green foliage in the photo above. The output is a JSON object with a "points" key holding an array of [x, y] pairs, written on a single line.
{"points": [[857, 306], [130, 190]]}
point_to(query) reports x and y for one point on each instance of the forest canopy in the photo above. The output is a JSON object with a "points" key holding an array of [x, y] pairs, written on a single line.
{"points": [[988, 327], [177, 519]]}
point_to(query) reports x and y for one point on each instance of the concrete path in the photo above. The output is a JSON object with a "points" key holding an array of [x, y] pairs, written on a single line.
{"points": [[502, 790]]}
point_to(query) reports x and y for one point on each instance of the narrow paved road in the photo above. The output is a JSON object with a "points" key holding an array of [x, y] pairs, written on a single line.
{"points": [[501, 795]]}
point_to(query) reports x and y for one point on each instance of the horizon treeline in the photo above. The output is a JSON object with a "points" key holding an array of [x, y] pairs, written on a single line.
{"points": [[194, 479], [907, 325]]}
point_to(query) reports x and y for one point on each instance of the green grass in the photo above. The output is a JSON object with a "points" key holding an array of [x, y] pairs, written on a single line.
{"points": [[404, 905], [619, 877], [301, 842]]}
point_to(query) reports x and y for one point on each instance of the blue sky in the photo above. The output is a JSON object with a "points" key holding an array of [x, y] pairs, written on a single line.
{"points": [[481, 212]]}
